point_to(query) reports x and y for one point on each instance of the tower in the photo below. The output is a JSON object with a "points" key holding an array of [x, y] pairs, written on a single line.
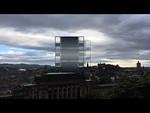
{"points": [[87, 65], [138, 65], [139, 69]]}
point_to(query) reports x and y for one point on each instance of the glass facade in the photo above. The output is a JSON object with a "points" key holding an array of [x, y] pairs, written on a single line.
{"points": [[70, 52]]}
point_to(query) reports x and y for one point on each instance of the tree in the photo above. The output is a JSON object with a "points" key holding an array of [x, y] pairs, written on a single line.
{"points": [[132, 87]]}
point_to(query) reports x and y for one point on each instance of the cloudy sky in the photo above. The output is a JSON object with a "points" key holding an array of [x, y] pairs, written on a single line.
{"points": [[116, 39]]}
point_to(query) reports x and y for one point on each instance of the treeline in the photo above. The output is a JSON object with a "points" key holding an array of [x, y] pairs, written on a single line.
{"points": [[127, 87]]}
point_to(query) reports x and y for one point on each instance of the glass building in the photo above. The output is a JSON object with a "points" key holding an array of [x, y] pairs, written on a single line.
{"points": [[70, 52]]}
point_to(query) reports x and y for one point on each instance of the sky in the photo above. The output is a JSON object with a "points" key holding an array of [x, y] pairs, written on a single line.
{"points": [[121, 39]]}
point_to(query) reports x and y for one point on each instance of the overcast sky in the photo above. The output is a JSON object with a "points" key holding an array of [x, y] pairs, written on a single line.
{"points": [[116, 39]]}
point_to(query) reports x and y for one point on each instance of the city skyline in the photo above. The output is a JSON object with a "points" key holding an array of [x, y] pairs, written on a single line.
{"points": [[121, 39]]}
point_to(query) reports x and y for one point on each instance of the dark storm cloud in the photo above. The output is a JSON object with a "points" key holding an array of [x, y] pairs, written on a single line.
{"points": [[62, 22], [131, 33], [132, 37]]}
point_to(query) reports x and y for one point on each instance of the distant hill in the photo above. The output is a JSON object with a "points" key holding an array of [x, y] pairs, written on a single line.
{"points": [[26, 66]]}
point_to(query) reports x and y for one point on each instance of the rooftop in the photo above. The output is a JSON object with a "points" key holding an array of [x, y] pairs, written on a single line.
{"points": [[60, 73]]}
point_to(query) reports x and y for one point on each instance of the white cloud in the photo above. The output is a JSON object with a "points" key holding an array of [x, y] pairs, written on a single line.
{"points": [[9, 36], [96, 37], [32, 57]]}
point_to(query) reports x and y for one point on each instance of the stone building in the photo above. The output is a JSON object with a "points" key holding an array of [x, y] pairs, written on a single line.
{"points": [[55, 86], [69, 81]]}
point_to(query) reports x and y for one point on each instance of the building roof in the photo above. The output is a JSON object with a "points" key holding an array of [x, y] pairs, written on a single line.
{"points": [[29, 85], [61, 73], [59, 77]]}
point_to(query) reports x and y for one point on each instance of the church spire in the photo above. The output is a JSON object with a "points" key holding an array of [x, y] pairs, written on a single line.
{"points": [[87, 64]]}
